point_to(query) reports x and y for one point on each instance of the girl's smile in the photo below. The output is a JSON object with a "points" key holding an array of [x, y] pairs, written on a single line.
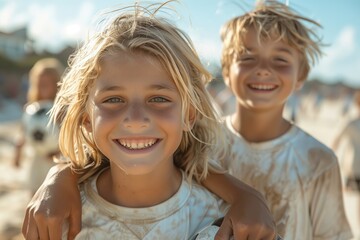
{"points": [[136, 144], [136, 119]]}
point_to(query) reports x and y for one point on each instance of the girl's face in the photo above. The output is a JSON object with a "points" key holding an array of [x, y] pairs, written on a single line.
{"points": [[135, 113], [266, 75], [47, 86]]}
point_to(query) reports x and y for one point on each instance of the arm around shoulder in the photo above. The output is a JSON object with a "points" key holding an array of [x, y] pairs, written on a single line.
{"points": [[57, 200], [248, 215]]}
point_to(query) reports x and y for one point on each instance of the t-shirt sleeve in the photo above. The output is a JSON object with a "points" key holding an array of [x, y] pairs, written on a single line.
{"points": [[327, 207]]}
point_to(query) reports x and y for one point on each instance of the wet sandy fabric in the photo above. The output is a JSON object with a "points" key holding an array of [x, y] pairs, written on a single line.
{"points": [[300, 179], [182, 216]]}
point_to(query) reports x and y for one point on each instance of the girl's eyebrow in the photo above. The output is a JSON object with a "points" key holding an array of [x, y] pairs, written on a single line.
{"points": [[111, 88], [163, 87], [153, 86]]}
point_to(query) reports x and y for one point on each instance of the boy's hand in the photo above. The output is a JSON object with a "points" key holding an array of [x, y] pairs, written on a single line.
{"points": [[243, 223], [57, 200], [248, 217]]}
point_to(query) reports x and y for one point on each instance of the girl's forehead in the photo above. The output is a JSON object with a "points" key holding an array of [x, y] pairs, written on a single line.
{"points": [[132, 65], [136, 62], [130, 58]]}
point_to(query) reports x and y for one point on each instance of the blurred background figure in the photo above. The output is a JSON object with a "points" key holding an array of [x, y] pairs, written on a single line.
{"points": [[40, 137], [347, 146]]}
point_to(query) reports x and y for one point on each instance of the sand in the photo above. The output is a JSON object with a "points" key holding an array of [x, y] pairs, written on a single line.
{"points": [[323, 123]]}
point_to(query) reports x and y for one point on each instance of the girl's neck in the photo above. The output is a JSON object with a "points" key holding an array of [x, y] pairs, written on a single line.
{"points": [[137, 191], [259, 126]]}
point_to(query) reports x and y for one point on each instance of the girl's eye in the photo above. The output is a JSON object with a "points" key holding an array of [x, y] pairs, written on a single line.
{"points": [[247, 58], [113, 100], [159, 99]]}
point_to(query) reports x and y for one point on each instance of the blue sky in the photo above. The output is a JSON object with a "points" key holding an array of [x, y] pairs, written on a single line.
{"points": [[53, 23]]}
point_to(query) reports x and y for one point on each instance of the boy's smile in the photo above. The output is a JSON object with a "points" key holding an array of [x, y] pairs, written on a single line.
{"points": [[262, 87], [265, 74]]}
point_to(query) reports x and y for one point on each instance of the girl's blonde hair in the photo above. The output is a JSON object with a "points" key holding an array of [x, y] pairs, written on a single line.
{"points": [[45, 65], [139, 31], [276, 21]]}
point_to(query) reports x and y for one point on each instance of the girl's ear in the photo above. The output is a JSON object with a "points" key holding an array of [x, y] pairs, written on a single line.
{"points": [[226, 77], [191, 119], [227, 81], [87, 123]]}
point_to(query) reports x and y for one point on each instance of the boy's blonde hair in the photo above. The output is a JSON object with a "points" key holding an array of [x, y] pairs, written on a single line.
{"points": [[45, 65], [139, 31], [275, 21]]}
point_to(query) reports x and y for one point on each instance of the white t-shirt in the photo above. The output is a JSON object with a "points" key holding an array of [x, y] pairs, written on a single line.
{"points": [[182, 216], [300, 179]]}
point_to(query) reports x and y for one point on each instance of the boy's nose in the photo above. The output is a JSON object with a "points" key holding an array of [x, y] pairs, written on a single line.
{"points": [[136, 117], [263, 70]]}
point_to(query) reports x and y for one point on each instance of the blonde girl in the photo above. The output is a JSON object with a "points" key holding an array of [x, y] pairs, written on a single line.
{"points": [[134, 100]]}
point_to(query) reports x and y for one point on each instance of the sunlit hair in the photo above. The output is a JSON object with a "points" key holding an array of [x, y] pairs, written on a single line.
{"points": [[136, 29], [277, 22], [49, 66]]}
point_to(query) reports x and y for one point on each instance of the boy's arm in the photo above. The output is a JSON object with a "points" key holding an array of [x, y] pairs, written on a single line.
{"points": [[57, 199], [249, 216]]}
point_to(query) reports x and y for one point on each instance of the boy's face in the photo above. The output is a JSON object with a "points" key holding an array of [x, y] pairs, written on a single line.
{"points": [[136, 120], [264, 76]]}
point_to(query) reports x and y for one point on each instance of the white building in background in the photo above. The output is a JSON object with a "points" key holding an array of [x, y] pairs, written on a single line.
{"points": [[16, 44]]}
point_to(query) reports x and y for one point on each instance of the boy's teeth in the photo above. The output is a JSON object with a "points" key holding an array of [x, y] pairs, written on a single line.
{"points": [[132, 144], [262, 87]]}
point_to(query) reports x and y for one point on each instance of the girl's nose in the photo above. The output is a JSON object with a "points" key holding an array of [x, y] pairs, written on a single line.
{"points": [[136, 117]]}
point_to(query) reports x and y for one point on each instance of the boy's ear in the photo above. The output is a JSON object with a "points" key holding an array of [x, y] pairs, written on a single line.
{"points": [[191, 119], [299, 84], [303, 74]]}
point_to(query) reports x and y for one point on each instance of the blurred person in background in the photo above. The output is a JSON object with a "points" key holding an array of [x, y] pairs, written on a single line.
{"points": [[40, 138], [347, 146]]}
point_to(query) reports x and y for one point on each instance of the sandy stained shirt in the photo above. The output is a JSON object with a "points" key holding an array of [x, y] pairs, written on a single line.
{"points": [[189, 211], [300, 179]]}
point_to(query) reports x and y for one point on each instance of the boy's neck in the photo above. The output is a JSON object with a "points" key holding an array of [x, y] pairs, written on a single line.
{"points": [[137, 191], [259, 126]]}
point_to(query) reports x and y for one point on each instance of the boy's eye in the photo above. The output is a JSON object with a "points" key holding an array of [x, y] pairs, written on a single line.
{"points": [[158, 99], [280, 60]]}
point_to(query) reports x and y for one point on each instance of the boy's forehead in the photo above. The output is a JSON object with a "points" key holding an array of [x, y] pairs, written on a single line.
{"points": [[253, 36]]}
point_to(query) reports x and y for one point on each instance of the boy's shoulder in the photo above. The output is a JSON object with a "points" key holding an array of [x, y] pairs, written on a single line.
{"points": [[308, 137], [295, 139], [312, 157], [354, 124], [296, 149]]}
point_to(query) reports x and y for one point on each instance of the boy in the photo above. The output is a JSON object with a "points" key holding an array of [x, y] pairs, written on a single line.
{"points": [[346, 145], [266, 56]]}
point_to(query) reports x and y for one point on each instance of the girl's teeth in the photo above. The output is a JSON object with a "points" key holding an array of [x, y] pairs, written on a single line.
{"points": [[136, 145]]}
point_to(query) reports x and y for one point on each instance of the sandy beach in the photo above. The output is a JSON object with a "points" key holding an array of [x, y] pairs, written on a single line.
{"points": [[324, 123]]}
